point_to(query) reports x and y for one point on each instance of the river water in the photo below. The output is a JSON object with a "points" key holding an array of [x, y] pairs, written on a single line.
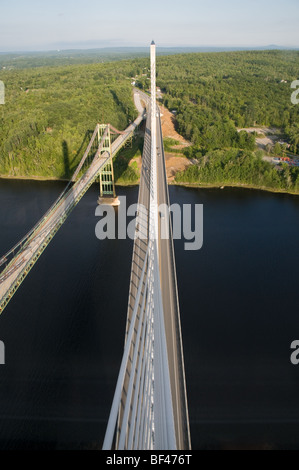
{"points": [[64, 329]]}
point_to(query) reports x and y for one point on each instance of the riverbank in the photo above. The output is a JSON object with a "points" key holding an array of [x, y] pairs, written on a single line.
{"points": [[41, 179], [237, 186], [32, 178], [170, 183]]}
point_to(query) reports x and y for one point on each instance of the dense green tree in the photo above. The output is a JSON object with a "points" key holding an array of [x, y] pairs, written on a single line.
{"points": [[50, 109], [235, 167]]}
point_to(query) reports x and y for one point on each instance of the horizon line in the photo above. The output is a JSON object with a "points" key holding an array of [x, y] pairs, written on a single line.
{"points": [[84, 48]]}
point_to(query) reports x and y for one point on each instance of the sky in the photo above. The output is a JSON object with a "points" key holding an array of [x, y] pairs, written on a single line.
{"points": [[67, 24]]}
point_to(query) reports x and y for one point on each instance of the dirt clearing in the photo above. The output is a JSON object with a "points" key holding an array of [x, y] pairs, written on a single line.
{"points": [[174, 164], [168, 127]]}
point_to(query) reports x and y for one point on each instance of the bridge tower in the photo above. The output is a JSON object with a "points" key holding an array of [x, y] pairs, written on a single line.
{"points": [[107, 185], [149, 409]]}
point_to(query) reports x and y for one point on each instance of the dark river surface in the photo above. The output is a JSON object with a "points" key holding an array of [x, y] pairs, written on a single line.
{"points": [[64, 329]]}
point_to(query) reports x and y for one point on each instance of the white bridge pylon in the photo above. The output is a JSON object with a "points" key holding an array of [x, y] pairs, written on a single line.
{"points": [[142, 415]]}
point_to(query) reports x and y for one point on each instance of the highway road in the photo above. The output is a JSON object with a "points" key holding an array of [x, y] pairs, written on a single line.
{"points": [[171, 307], [168, 284]]}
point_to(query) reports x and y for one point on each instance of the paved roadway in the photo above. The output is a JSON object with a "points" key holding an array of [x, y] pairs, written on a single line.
{"points": [[171, 308], [168, 284]]}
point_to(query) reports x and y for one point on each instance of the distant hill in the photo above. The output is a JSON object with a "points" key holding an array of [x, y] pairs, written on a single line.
{"points": [[107, 54]]}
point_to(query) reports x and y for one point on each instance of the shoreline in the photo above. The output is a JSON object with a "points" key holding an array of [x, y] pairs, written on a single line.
{"points": [[172, 183], [32, 178], [232, 185], [52, 179]]}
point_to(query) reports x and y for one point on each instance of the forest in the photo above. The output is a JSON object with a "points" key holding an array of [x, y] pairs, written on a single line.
{"points": [[240, 168], [215, 95], [49, 114], [220, 92], [50, 111]]}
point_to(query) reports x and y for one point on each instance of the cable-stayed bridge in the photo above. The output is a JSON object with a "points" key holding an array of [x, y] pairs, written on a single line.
{"points": [[149, 409]]}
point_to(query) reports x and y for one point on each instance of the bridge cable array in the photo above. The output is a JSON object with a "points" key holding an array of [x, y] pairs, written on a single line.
{"points": [[142, 415]]}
